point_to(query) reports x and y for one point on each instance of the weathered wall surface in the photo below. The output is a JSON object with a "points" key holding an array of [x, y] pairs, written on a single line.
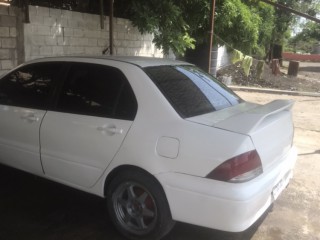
{"points": [[53, 32], [301, 57], [8, 39]]}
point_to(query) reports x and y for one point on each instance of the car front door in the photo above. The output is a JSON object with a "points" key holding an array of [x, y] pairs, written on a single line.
{"points": [[93, 114], [24, 95]]}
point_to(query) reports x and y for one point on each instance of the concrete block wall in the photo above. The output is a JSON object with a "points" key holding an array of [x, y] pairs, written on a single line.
{"points": [[301, 57], [54, 32], [8, 39], [223, 58]]}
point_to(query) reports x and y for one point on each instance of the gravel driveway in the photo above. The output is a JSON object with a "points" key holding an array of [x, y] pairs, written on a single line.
{"points": [[310, 70]]}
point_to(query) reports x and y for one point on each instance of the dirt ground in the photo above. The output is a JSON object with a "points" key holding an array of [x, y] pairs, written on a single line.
{"points": [[296, 214], [36, 209], [308, 79]]}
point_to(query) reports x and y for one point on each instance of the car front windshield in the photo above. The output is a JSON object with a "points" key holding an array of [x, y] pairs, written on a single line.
{"points": [[191, 91]]}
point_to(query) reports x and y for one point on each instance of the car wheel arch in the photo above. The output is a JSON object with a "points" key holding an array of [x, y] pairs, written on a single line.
{"points": [[114, 172]]}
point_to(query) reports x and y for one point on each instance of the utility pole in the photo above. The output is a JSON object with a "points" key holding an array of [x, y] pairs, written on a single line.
{"points": [[111, 27], [26, 11], [212, 13], [101, 15]]}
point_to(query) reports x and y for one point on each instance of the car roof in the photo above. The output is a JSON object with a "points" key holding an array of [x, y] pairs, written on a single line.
{"points": [[146, 61], [135, 60]]}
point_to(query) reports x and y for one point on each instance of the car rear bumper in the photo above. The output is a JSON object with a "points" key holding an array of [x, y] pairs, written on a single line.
{"points": [[231, 207]]}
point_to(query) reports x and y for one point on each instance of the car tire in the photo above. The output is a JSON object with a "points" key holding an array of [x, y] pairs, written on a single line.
{"points": [[137, 205]]}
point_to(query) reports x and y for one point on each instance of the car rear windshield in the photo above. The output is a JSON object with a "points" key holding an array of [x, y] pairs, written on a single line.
{"points": [[191, 91]]}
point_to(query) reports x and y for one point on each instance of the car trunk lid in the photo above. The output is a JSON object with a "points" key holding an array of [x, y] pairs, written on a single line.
{"points": [[270, 126]]}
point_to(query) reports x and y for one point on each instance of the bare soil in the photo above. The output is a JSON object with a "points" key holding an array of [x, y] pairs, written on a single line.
{"points": [[308, 79]]}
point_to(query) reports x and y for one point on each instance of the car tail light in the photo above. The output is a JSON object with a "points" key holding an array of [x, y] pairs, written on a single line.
{"points": [[238, 169]]}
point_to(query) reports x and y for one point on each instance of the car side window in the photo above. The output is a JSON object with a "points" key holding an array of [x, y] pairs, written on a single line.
{"points": [[191, 91], [97, 90], [29, 86]]}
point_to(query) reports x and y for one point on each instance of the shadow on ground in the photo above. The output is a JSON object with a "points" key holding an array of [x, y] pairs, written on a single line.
{"points": [[310, 69], [34, 208]]}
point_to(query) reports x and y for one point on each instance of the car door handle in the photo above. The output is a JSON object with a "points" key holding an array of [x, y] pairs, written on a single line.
{"points": [[110, 130], [30, 117], [115, 130]]}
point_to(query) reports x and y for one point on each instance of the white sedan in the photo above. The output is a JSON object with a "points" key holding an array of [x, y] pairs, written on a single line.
{"points": [[161, 140]]}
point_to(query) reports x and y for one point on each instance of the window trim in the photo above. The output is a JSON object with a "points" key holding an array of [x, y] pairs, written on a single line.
{"points": [[55, 82], [58, 93]]}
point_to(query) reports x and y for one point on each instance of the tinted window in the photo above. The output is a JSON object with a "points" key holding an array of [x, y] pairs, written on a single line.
{"points": [[191, 91], [97, 90], [29, 86]]}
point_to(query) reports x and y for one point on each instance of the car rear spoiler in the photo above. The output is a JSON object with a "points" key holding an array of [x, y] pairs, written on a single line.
{"points": [[247, 122]]}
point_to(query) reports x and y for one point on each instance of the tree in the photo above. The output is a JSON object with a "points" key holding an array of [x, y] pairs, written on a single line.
{"points": [[267, 15], [165, 19], [311, 7], [182, 24], [285, 20], [305, 40], [238, 25], [247, 25]]}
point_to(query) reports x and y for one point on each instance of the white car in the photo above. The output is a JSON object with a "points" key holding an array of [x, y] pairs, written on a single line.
{"points": [[161, 140]]}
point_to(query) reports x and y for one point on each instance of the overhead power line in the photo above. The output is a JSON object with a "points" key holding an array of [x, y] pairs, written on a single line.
{"points": [[317, 20]]}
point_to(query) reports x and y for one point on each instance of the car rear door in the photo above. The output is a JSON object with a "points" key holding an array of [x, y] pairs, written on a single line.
{"points": [[94, 112], [24, 96]]}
